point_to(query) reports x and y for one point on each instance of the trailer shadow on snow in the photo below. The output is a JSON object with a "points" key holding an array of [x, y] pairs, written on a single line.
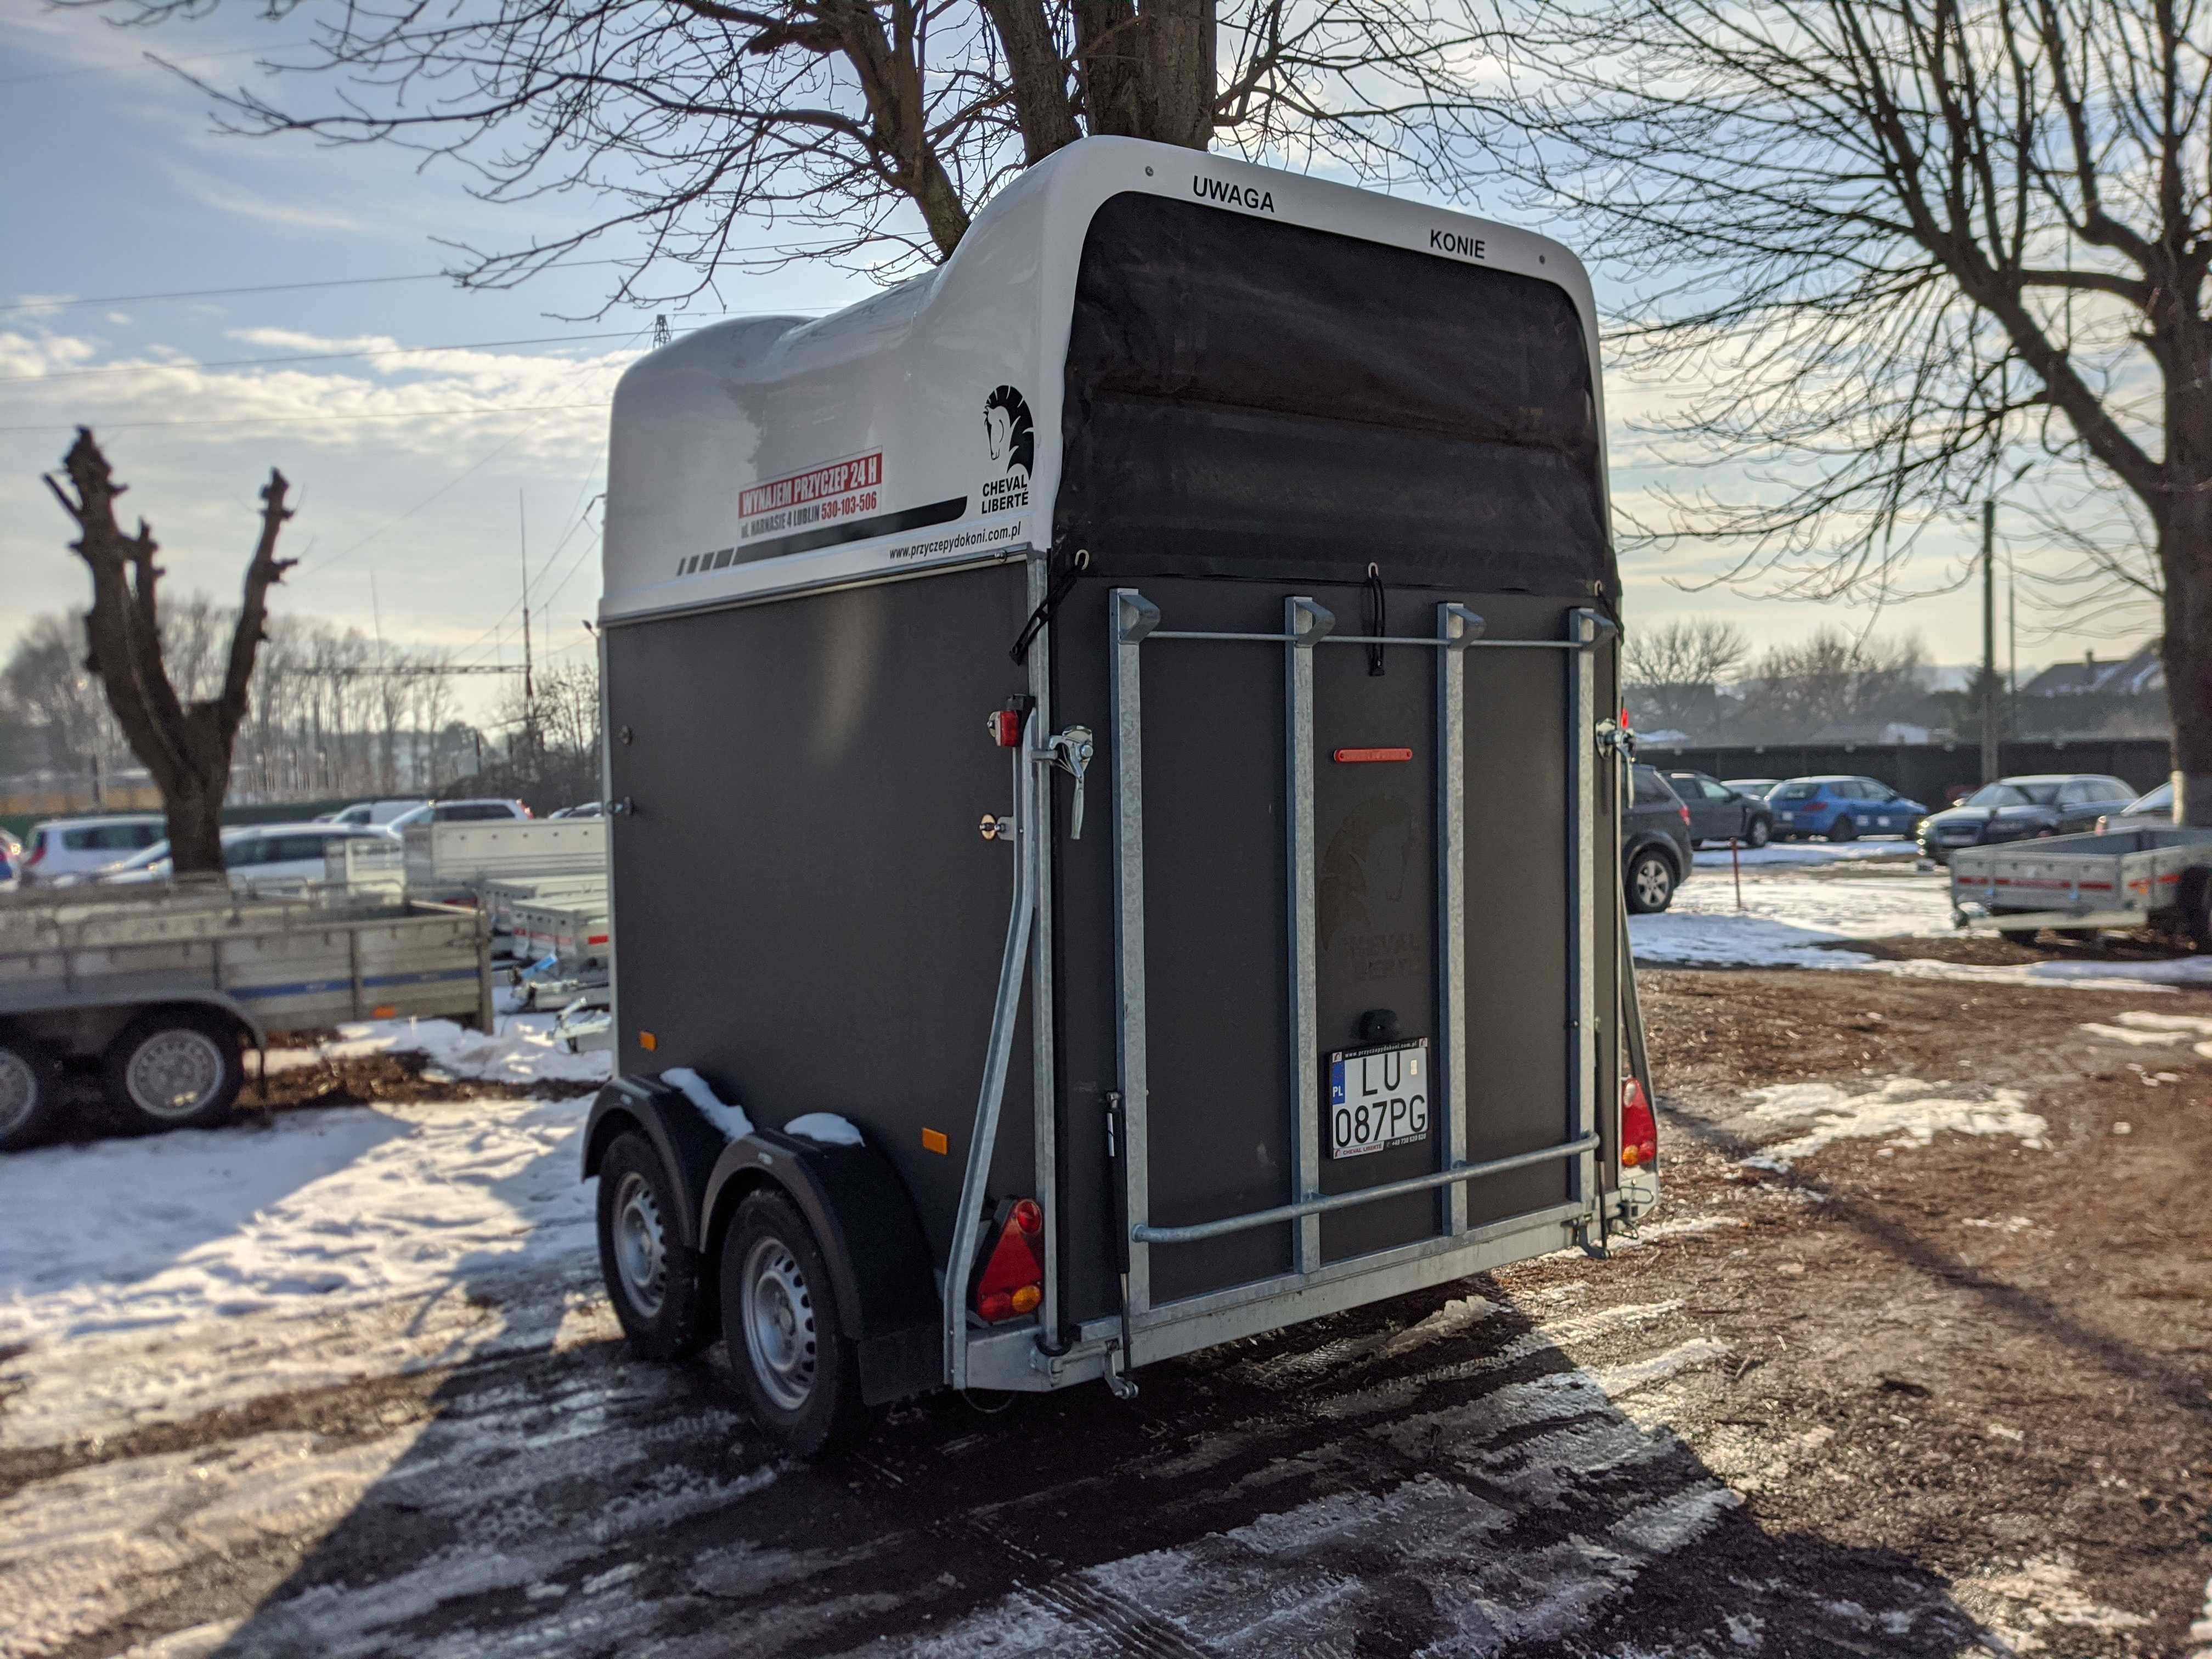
{"points": [[1427, 1475]]}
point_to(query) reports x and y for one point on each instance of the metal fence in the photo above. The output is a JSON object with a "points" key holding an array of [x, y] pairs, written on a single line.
{"points": [[1925, 771]]}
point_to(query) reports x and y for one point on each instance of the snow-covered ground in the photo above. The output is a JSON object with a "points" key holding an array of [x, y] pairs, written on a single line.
{"points": [[154, 1279], [523, 1050]]}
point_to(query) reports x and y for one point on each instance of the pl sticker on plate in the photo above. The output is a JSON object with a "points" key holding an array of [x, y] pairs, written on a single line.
{"points": [[1377, 1097]]}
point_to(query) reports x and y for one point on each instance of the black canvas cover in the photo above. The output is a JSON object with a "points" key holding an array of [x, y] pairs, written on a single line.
{"points": [[1247, 398]]}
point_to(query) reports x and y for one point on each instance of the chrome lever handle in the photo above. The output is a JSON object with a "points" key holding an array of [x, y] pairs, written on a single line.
{"points": [[1072, 752]]}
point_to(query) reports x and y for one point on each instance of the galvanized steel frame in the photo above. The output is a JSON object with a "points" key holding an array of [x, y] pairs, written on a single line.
{"points": [[1132, 620]]}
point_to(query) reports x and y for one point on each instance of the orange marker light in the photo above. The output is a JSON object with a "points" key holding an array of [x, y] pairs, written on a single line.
{"points": [[385, 1011], [646, 1041], [1364, 757], [933, 1140]]}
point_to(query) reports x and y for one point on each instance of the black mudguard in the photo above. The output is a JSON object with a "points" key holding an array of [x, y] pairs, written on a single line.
{"points": [[687, 1142], [864, 1218]]}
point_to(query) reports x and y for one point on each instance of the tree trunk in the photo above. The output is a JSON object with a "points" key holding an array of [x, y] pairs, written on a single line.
{"points": [[2184, 549], [195, 817]]}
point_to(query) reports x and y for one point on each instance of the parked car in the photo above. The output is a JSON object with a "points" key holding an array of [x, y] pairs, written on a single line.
{"points": [[257, 854], [63, 848], [1719, 811], [373, 811], [11, 859], [2015, 809], [1753, 788], [588, 809], [1842, 808], [1655, 842], [2151, 811], [461, 811]]}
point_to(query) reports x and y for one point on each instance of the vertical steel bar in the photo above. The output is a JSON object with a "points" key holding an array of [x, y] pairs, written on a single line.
{"points": [[1305, 623], [968, 1224], [1582, 742], [1130, 616], [1044, 1072], [1455, 628]]}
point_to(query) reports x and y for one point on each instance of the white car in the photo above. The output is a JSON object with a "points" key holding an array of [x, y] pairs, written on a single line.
{"points": [[2151, 811], [373, 811], [259, 854], [461, 811], [61, 848]]}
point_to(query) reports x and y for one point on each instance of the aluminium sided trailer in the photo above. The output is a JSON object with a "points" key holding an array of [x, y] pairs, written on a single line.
{"points": [[2125, 878], [448, 863], [164, 986], [1053, 707]]}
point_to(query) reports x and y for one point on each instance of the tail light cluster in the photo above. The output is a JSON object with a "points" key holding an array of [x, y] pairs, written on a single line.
{"points": [[1640, 1129], [1685, 811], [1012, 1283]]}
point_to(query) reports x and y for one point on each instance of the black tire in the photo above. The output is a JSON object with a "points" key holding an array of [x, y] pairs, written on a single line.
{"points": [[1650, 878], [1844, 829], [651, 1278], [2196, 908], [30, 1089], [798, 1371], [174, 1068], [1758, 831]]}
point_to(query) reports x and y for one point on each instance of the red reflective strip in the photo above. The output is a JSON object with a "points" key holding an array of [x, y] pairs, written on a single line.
{"points": [[1360, 757]]}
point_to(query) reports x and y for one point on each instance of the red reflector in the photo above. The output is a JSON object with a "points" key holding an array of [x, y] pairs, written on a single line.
{"points": [[1362, 756], [1006, 727], [1640, 1129], [1013, 1279], [1685, 811]]}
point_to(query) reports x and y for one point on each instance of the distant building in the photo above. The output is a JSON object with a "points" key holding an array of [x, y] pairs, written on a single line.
{"points": [[2136, 676], [1875, 732]]}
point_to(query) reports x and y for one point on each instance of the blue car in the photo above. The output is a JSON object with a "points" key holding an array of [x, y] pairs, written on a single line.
{"points": [[1842, 809]]}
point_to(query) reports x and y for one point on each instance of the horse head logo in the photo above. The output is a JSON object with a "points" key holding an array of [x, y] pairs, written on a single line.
{"points": [[1009, 430]]}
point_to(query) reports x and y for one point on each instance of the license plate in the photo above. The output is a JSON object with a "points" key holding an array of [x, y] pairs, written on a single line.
{"points": [[1377, 1097]]}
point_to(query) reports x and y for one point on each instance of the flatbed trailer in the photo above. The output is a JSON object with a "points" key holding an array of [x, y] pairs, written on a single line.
{"points": [[498, 900], [165, 986], [2125, 879], [1053, 712], [450, 863]]}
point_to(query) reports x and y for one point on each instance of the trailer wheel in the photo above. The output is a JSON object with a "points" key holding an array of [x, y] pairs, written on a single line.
{"points": [[174, 1068], [780, 1326], [1650, 883], [1844, 829], [30, 1091], [2197, 907], [652, 1280]]}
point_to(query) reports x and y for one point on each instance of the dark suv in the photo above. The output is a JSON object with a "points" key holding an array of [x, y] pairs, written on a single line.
{"points": [[1718, 812], [1655, 842]]}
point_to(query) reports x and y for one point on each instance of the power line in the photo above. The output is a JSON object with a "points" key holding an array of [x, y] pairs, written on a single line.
{"points": [[313, 357], [303, 420], [148, 57], [380, 352], [357, 281]]}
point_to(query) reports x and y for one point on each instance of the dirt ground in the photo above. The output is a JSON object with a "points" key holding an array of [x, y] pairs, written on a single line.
{"points": [[1867, 1396]]}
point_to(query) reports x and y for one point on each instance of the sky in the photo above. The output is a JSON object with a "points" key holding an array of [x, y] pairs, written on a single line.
{"points": [[439, 440]]}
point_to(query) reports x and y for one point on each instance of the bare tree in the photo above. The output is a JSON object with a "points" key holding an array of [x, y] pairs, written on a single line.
{"points": [[1830, 678], [880, 124], [1671, 674], [1896, 239], [185, 744]]}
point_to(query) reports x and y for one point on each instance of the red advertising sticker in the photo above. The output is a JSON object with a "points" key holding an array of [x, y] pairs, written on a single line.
{"points": [[817, 484]]}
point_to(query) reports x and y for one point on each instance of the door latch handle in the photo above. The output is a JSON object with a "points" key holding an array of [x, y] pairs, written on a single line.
{"points": [[1071, 751]]}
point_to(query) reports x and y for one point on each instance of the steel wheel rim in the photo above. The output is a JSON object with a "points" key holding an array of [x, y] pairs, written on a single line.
{"points": [[19, 1091], [1651, 883], [641, 1244], [778, 1322], [175, 1073]]}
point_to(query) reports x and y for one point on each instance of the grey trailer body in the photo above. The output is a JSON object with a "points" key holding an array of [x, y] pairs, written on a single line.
{"points": [[1136, 865]]}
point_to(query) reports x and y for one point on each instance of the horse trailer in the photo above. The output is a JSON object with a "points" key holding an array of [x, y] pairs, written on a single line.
{"points": [[1052, 707]]}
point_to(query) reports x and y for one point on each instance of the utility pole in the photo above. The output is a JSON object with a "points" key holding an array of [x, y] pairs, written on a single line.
{"points": [[1989, 765], [529, 682], [2012, 650], [659, 332]]}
